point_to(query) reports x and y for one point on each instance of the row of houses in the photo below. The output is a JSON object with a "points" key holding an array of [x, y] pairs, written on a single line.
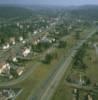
{"points": [[76, 95], [12, 41], [5, 65], [24, 51], [7, 94], [5, 70]]}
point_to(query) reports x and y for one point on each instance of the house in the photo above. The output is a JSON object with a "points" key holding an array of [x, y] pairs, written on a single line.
{"points": [[26, 51], [12, 40], [21, 26], [21, 38], [11, 94], [35, 32], [20, 71], [70, 27], [40, 30], [14, 59], [47, 26], [75, 94], [35, 41], [28, 26], [13, 55], [90, 97], [4, 68], [24, 42], [95, 45], [75, 91], [18, 24], [7, 94], [46, 40], [6, 46], [53, 40]]}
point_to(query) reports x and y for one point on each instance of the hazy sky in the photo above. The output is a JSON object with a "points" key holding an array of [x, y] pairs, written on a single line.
{"points": [[50, 2]]}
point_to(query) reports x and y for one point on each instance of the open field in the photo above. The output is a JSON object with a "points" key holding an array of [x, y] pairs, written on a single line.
{"points": [[65, 91], [41, 73]]}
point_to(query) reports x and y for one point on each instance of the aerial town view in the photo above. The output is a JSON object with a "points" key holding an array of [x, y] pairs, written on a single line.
{"points": [[48, 50]]}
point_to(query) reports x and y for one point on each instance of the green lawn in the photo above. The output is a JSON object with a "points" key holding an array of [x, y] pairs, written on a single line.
{"points": [[38, 76]]}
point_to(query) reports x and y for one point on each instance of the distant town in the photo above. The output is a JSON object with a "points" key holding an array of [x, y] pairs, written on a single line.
{"points": [[48, 53]]}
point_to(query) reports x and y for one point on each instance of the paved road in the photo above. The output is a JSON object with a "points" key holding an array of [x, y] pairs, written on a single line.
{"points": [[47, 91], [87, 88]]}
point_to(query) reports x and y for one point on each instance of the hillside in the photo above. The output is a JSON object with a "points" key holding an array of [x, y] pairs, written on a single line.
{"points": [[13, 11], [90, 12]]}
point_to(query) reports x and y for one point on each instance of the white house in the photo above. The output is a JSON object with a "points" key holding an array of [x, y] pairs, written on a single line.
{"points": [[4, 68], [90, 97], [46, 39], [70, 27], [6, 46], [26, 51], [40, 30], [21, 26], [53, 39], [36, 41], [18, 24], [12, 40], [14, 59], [28, 26], [35, 32], [24, 42], [20, 71], [20, 38], [96, 47], [75, 91]]}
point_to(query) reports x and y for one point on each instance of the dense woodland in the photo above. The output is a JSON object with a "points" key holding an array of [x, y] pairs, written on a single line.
{"points": [[13, 11], [17, 11], [86, 12]]}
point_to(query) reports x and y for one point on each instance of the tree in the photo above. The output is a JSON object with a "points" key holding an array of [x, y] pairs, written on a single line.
{"points": [[78, 59], [62, 44], [48, 59], [77, 35], [13, 72]]}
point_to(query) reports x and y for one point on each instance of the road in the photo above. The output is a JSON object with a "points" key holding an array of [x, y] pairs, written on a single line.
{"points": [[87, 88], [46, 92]]}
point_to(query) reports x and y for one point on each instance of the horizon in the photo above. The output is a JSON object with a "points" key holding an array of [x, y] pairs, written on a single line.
{"points": [[48, 5], [49, 2]]}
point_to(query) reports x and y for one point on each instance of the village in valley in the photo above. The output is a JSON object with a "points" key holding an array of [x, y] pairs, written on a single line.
{"points": [[48, 53]]}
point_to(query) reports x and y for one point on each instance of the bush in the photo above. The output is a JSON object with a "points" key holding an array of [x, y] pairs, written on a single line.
{"points": [[48, 59], [62, 44]]}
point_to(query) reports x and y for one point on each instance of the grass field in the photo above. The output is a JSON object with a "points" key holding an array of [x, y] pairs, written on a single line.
{"points": [[64, 92], [42, 72], [38, 76]]}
